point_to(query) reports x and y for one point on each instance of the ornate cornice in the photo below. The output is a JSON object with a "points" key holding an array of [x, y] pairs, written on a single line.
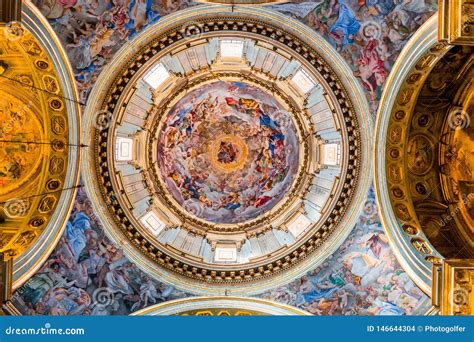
{"points": [[416, 123]]}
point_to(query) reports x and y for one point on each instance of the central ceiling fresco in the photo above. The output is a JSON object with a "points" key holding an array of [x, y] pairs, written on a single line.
{"points": [[227, 152]]}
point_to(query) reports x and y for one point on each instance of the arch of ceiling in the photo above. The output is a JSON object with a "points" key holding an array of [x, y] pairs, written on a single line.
{"points": [[421, 159], [242, 2], [421, 42], [40, 138], [177, 32], [220, 306]]}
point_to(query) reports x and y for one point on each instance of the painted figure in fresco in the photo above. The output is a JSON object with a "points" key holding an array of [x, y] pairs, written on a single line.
{"points": [[62, 302], [337, 21], [249, 168], [82, 262], [54, 9], [323, 16], [76, 233], [48, 278], [391, 27], [86, 18], [93, 30], [149, 294], [17, 124], [316, 289], [361, 278], [371, 69], [80, 55], [227, 153]]}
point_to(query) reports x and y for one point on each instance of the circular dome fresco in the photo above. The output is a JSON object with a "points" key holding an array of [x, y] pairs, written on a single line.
{"points": [[227, 149], [39, 133], [227, 152]]}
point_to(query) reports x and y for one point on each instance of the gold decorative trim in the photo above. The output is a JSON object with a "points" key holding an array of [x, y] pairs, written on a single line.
{"points": [[212, 306], [456, 287], [232, 273], [410, 246], [413, 141], [6, 271], [456, 22], [243, 2], [26, 203]]}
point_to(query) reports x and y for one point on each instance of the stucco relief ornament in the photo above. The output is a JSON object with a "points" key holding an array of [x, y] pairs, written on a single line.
{"points": [[460, 296], [13, 31]]}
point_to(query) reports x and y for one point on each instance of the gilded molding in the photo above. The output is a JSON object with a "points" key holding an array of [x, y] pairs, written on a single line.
{"points": [[456, 287], [54, 74], [221, 306], [456, 22], [299, 188], [6, 271], [420, 157], [409, 244]]}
